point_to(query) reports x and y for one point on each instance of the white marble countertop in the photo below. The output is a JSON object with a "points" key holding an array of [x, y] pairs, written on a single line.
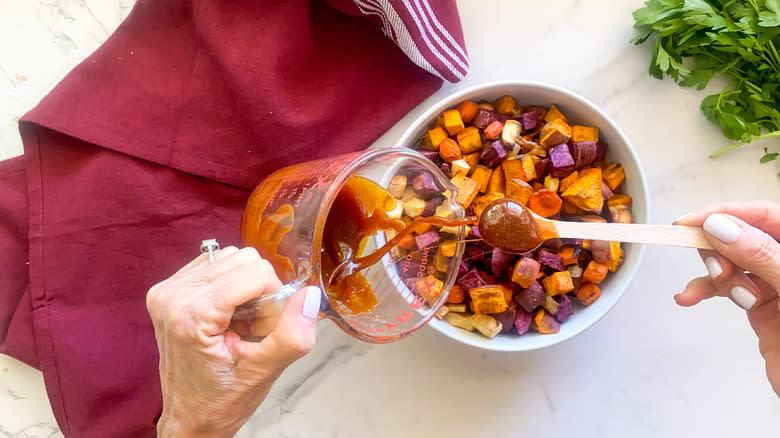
{"points": [[648, 369]]}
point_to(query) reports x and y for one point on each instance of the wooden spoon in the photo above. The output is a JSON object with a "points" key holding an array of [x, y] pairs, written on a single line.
{"points": [[511, 227]]}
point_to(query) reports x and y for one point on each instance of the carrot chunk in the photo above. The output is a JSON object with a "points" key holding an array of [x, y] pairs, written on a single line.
{"points": [[545, 203]]}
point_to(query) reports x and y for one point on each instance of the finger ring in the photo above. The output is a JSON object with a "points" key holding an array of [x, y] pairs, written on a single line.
{"points": [[210, 246]]}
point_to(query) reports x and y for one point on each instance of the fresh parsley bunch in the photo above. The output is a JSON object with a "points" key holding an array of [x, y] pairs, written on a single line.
{"points": [[738, 39]]}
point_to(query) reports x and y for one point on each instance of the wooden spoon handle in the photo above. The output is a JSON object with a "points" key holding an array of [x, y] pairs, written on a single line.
{"points": [[675, 235]]}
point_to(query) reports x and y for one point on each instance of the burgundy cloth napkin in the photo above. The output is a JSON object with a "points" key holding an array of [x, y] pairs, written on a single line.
{"points": [[154, 143]]}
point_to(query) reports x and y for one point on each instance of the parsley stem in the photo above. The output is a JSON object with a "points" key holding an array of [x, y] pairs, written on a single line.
{"points": [[741, 143]]}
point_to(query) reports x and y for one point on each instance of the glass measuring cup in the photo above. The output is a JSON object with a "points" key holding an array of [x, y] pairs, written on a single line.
{"points": [[285, 218]]}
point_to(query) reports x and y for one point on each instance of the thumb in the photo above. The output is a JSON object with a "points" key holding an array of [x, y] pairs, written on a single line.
{"points": [[294, 334], [746, 246]]}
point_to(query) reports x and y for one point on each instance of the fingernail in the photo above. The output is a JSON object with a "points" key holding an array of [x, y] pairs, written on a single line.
{"points": [[743, 297], [311, 304], [722, 228], [682, 217], [713, 267]]}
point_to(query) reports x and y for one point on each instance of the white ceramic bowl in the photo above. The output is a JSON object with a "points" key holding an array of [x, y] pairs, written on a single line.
{"points": [[579, 111]]}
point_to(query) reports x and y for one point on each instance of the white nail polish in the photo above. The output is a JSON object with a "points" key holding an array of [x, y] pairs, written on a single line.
{"points": [[743, 297], [311, 303], [722, 228], [682, 217], [713, 267]]}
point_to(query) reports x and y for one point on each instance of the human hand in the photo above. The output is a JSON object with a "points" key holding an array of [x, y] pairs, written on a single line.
{"points": [[212, 381], [744, 266]]}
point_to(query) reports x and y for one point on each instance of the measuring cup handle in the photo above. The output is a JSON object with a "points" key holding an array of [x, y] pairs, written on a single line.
{"points": [[250, 309]]}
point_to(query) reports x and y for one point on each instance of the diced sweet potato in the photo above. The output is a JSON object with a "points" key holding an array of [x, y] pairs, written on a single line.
{"points": [[460, 320], [471, 279], [485, 117], [448, 248], [546, 323], [558, 283], [424, 185], [585, 192], [584, 133], [440, 121], [542, 166], [436, 136], [468, 110], [565, 310], [551, 183], [486, 324], [588, 293], [530, 120], [494, 154], [493, 130], [449, 150], [620, 214], [545, 203], [522, 168], [599, 249], [481, 174], [613, 175], [429, 288], [569, 254], [500, 262], [511, 133], [526, 271], [469, 140], [441, 262], [427, 239], [568, 181], [430, 207], [397, 186], [414, 207], [550, 259], [619, 199], [595, 272], [523, 321], [601, 151], [506, 319], [554, 114], [531, 297], [537, 150], [472, 159], [444, 210], [487, 299], [460, 168], [457, 295], [497, 182], [583, 152], [519, 190], [505, 105], [554, 133], [452, 121], [616, 256], [606, 193], [561, 161], [550, 305], [480, 202], [467, 190]]}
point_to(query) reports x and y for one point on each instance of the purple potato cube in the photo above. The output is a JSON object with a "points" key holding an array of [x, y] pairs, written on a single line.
{"points": [[600, 250], [501, 262], [494, 154], [430, 207], [584, 153], [506, 318], [601, 151], [427, 239], [553, 244], [484, 117], [531, 297], [471, 280], [424, 184], [529, 120], [445, 169], [431, 155], [561, 161], [551, 322], [564, 308], [584, 257], [464, 267], [469, 211], [523, 321], [475, 253], [606, 192], [550, 259], [542, 168]]}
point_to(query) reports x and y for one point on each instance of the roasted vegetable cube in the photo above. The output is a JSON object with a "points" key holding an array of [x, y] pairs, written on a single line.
{"points": [[568, 181], [511, 133], [551, 183], [545, 203], [493, 130], [449, 150], [554, 133], [523, 321], [595, 272], [613, 175], [414, 207], [429, 288], [522, 168], [468, 110], [531, 297], [481, 174], [530, 120], [497, 182], [500, 262], [620, 214], [558, 283], [397, 186], [585, 193], [526, 271], [494, 154], [554, 114], [469, 140], [459, 168], [460, 320], [424, 185], [542, 167], [565, 310], [444, 210], [550, 305], [550, 259], [505, 105], [519, 190], [584, 133], [472, 159], [583, 152], [467, 190], [472, 279], [546, 323], [456, 296], [452, 122], [448, 248], [436, 136], [426, 239], [485, 117], [601, 151], [619, 199], [485, 324], [487, 299], [588, 293], [480, 202], [561, 162]]}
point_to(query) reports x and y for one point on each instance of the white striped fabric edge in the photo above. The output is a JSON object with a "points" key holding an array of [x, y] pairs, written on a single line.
{"points": [[445, 33], [370, 10], [438, 40], [428, 43], [403, 39]]}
